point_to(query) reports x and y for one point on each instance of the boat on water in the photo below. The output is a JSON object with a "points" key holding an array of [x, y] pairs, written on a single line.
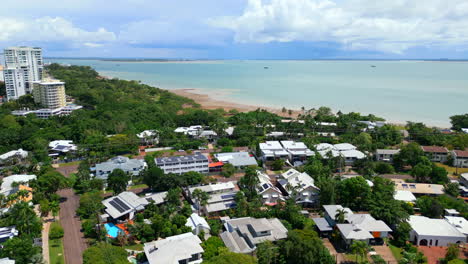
{"points": [[265, 67], [373, 66]]}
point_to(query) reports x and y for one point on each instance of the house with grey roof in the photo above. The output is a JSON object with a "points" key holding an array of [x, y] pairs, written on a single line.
{"points": [[347, 151], [362, 227], [237, 159], [8, 232], [198, 224], [133, 167], [243, 234], [16, 155], [270, 194], [182, 164], [221, 197], [148, 137], [184, 248], [126, 204], [386, 155], [300, 186]]}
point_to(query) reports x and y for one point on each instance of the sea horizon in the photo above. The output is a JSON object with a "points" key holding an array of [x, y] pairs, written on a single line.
{"points": [[397, 90]]}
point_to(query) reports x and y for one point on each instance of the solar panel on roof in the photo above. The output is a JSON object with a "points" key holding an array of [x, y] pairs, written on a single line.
{"points": [[227, 196], [116, 206], [122, 204], [60, 147], [265, 186]]}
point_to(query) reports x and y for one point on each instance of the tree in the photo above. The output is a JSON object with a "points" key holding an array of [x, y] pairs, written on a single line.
{"points": [[117, 181], [354, 193], [430, 207], [227, 257], [277, 164], [152, 176], [52, 181], [401, 234], [340, 216], [384, 168], [267, 253], [90, 204], [453, 252], [212, 247], [452, 189], [25, 219], [360, 248], [363, 141], [56, 231], [201, 198], [104, 253], [439, 175], [413, 258], [409, 155], [21, 250], [459, 121], [228, 170], [304, 247], [248, 183]]}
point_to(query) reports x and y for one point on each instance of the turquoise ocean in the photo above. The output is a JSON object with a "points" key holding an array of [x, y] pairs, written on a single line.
{"points": [[400, 91]]}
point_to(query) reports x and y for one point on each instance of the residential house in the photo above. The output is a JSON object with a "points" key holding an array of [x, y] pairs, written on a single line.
{"points": [[182, 164], [222, 196], [464, 179], [243, 234], [13, 183], [7, 261], [133, 167], [451, 212], [193, 131], [180, 249], [436, 153], [419, 188], [464, 130], [434, 232], [148, 137], [237, 159], [126, 204], [273, 150], [371, 125], [61, 147], [198, 224], [270, 194], [349, 152], [405, 196], [460, 223], [14, 155], [209, 135], [298, 151], [386, 155], [300, 186], [7, 233], [362, 227], [460, 158]]}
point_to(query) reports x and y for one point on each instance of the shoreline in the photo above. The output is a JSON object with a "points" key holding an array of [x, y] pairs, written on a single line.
{"points": [[211, 103]]}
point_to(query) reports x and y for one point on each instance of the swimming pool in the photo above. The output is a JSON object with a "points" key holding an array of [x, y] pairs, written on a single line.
{"points": [[112, 230]]}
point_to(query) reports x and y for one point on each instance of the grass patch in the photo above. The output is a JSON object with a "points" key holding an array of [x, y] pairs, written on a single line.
{"points": [[137, 186], [69, 163], [452, 170], [56, 249], [352, 258], [396, 251], [136, 247]]}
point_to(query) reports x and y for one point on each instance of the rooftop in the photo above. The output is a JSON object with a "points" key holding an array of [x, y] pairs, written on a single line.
{"points": [[403, 195], [237, 159], [434, 149], [461, 153], [387, 151], [295, 179], [419, 188], [460, 223], [322, 224], [222, 186], [196, 157], [173, 249], [19, 152], [7, 182], [434, 227], [123, 204], [195, 221], [271, 145], [354, 232], [332, 209]]}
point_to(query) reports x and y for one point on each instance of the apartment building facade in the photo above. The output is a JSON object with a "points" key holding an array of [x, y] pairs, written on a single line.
{"points": [[23, 66], [49, 93]]}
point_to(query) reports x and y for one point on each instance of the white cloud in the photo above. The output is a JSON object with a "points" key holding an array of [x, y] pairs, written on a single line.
{"points": [[385, 25], [93, 45], [49, 29]]}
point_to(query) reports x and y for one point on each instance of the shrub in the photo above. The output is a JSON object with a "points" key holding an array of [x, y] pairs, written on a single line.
{"points": [[56, 231]]}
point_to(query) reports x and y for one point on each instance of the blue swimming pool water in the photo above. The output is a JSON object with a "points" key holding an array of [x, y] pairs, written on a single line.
{"points": [[112, 230]]}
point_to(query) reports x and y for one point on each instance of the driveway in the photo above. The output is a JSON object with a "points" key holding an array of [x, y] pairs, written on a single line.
{"points": [[385, 252], [74, 242]]}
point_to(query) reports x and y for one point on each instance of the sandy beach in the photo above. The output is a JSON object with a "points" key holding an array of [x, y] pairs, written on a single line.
{"points": [[208, 102]]}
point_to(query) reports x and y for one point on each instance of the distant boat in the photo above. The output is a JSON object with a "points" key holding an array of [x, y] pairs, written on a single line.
{"points": [[265, 67], [373, 66]]}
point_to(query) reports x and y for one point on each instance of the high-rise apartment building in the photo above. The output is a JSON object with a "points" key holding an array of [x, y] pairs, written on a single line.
{"points": [[49, 93], [23, 66]]}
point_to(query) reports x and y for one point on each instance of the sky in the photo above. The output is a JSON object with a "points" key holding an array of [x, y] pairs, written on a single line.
{"points": [[239, 29]]}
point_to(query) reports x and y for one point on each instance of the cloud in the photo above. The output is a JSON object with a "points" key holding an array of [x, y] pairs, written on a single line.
{"points": [[392, 26], [92, 45], [49, 29]]}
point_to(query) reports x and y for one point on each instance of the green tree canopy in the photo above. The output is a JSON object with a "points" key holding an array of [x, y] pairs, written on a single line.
{"points": [[104, 253], [117, 181]]}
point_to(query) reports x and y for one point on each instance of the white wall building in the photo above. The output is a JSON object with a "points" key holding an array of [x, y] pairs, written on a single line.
{"points": [[183, 248], [183, 164], [272, 150], [221, 197], [270, 194], [349, 152], [197, 224], [434, 232], [23, 66], [298, 151], [386, 155], [460, 158], [300, 185]]}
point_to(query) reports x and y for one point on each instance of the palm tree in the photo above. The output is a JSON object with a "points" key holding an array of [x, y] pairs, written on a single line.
{"points": [[201, 198], [54, 207], [340, 216], [359, 248]]}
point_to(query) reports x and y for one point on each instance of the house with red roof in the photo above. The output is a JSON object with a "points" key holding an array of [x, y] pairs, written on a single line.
{"points": [[436, 153], [460, 158]]}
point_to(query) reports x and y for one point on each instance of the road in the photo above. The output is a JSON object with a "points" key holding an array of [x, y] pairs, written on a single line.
{"points": [[74, 242]]}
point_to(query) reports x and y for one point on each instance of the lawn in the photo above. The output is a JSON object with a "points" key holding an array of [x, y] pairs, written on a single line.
{"points": [[136, 247], [56, 251], [137, 186], [69, 163], [396, 251], [452, 170]]}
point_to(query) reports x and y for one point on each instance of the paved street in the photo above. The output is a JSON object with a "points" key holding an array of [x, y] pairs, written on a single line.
{"points": [[74, 242]]}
